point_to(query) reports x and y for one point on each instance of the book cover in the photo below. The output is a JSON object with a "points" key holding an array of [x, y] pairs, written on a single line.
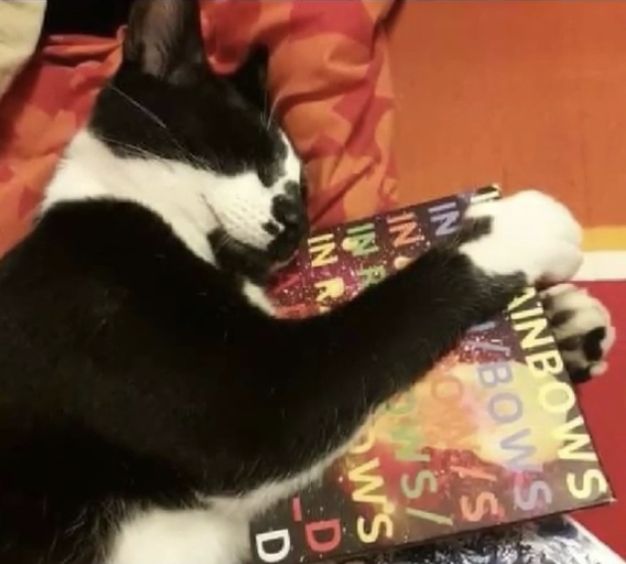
{"points": [[492, 435]]}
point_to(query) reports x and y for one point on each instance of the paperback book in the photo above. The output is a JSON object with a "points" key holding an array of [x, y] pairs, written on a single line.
{"points": [[492, 435]]}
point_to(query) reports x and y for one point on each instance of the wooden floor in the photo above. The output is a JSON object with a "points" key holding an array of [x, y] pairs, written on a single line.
{"points": [[520, 92]]}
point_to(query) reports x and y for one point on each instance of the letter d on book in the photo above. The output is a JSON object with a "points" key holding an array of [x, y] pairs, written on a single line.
{"points": [[273, 546], [323, 536]]}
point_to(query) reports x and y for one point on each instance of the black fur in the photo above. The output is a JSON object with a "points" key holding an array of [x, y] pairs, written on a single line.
{"points": [[581, 328], [132, 373], [219, 129], [226, 126]]}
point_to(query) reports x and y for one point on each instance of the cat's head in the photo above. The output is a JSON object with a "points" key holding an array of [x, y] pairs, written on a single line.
{"points": [[165, 107]]}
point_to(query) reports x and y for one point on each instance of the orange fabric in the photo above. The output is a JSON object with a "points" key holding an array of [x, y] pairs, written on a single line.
{"points": [[524, 93], [527, 93], [329, 76], [332, 87], [40, 114]]}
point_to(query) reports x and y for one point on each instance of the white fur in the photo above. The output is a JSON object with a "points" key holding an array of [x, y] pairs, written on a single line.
{"points": [[181, 537], [216, 535], [587, 314], [258, 298], [242, 205], [531, 233], [173, 190], [193, 201], [293, 166]]}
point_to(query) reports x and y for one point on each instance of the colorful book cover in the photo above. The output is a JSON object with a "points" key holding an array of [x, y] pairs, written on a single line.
{"points": [[492, 435]]}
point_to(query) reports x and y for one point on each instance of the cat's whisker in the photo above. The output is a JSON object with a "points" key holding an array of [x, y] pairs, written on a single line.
{"points": [[189, 157], [270, 116], [144, 152], [139, 106], [129, 146]]}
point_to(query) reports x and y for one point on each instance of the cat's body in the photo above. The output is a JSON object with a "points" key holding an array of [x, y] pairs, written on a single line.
{"points": [[150, 404]]}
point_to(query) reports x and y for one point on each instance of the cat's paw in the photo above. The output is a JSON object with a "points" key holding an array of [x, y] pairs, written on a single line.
{"points": [[528, 233], [582, 329]]}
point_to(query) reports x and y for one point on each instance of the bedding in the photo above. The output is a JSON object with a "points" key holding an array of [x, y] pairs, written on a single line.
{"points": [[329, 79], [331, 82]]}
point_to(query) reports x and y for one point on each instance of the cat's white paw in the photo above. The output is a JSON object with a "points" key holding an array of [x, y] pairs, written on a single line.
{"points": [[582, 328], [531, 233]]}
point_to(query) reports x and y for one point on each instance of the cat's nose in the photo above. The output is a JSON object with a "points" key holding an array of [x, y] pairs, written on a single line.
{"points": [[291, 214], [288, 211]]}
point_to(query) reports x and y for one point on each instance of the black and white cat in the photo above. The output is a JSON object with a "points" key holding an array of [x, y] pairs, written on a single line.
{"points": [[150, 404]]}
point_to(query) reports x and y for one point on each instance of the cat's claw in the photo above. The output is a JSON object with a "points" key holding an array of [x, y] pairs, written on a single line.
{"points": [[582, 328], [530, 233]]}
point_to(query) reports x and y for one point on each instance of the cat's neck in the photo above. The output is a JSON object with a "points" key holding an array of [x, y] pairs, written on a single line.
{"points": [[171, 189]]}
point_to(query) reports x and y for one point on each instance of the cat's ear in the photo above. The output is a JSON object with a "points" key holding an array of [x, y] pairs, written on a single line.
{"points": [[250, 79], [164, 39]]}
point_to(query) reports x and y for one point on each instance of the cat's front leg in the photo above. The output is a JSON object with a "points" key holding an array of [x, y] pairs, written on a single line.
{"points": [[317, 380], [582, 328], [329, 373]]}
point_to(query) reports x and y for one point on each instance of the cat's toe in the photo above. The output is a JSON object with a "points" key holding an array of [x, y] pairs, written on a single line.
{"points": [[582, 328]]}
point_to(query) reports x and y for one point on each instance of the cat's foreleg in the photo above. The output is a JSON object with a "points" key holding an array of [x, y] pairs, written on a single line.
{"points": [[330, 372]]}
